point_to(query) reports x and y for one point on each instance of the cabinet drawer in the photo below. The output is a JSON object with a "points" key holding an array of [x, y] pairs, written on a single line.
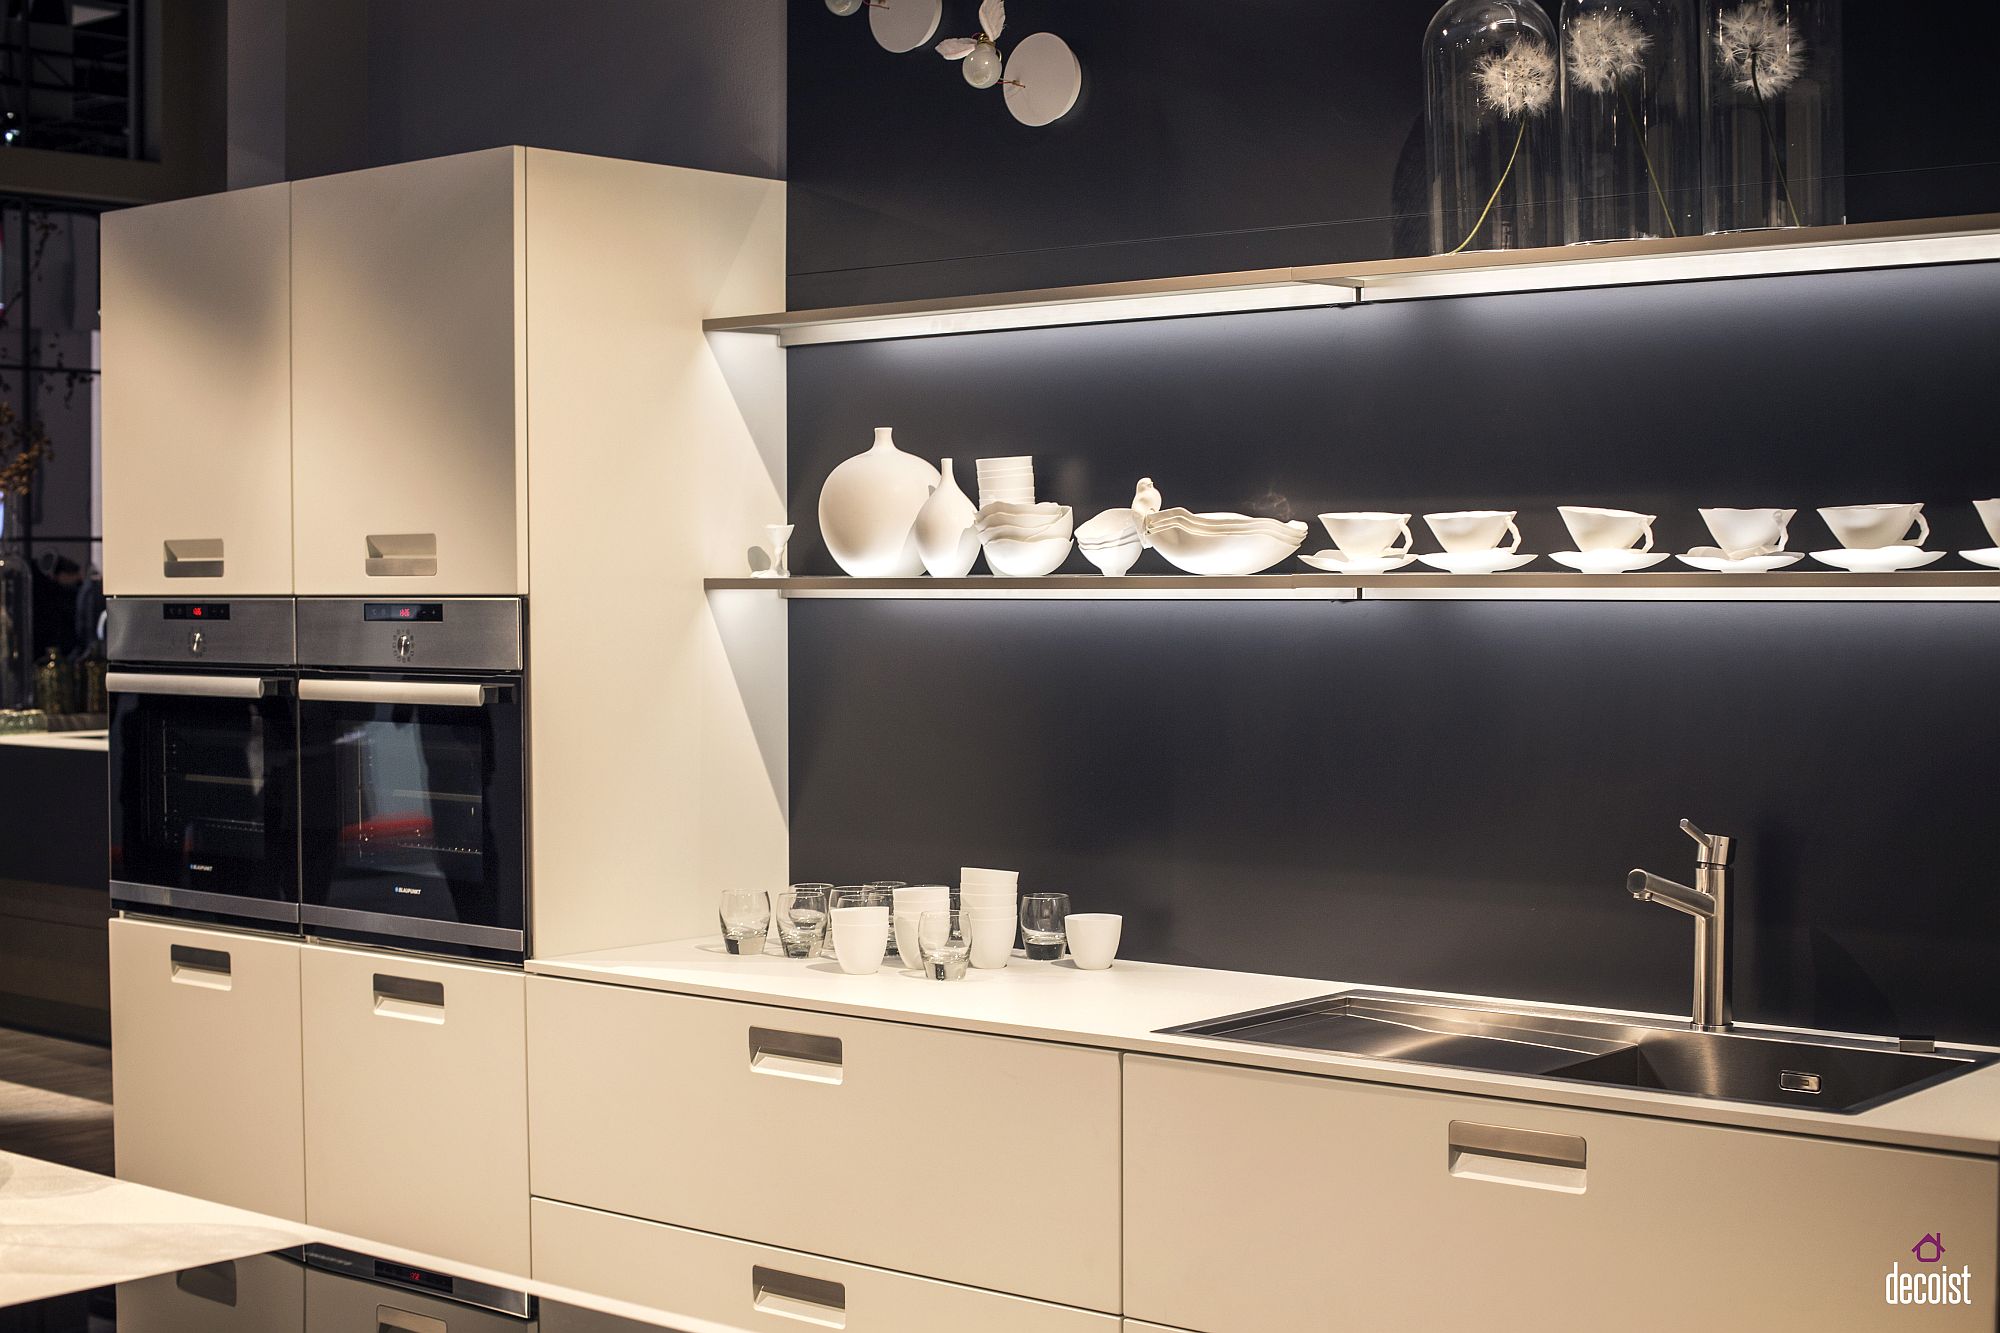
{"points": [[337, 1304], [759, 1287], [976, 1159], [416, 1105], [1256, 1200], [261, 1294], [205, 1065]]}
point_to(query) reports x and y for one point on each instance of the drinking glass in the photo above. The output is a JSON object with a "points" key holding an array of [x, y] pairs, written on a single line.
{"points": [[824, 949], [746, 920], [801, 920], [1042, 917], [945, 941], [859, 895], [889, 886]]}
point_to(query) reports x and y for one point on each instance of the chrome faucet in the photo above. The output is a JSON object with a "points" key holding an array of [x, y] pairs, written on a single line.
{"points": [[1708, 903]]}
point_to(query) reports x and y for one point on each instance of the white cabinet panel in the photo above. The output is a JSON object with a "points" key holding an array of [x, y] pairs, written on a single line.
{"points": [[983, 1160], [261, 1294], [1257, 1200], [408, 384], [205, 1065], [759, 1287], [416, 1105], [197, 396]]}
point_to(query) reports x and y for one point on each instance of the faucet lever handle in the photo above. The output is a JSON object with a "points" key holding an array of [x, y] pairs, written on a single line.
{"points": [[1687, 827], [1715, 849]]}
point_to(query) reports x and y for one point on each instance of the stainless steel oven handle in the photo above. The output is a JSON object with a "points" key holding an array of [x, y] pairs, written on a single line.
{"points": [[417, 693], [207, 687]]}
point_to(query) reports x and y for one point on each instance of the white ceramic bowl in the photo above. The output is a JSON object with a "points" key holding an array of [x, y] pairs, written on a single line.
{"points": [[1093, 938], [1109, 528], [1224, 552], [1014, 513], [1114, 561], [1005, 531], [1014, 559], [1008, 877]]}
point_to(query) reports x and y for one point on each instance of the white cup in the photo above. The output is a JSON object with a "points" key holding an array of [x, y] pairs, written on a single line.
{"points": [[1093, 938], [1475, 529], [1989, 514], [860, 938], [1365, 535], [1608, 529], [981, 876], [992, 938], [1742, 532], [1871, 527]]}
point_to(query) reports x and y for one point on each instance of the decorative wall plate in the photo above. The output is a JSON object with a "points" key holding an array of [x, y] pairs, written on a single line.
{"points": [[904, 25], [1043, 79]]}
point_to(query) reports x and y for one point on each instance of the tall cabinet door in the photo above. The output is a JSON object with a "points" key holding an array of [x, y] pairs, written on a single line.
{"points": [[205, 1065], [197, 446], [408, 380]]}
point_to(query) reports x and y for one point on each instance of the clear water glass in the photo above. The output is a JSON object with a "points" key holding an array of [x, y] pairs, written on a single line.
{"points": [[745, 915], [889, 887], [801, 916], [944, 941], [1042, 917], [825, 947]]}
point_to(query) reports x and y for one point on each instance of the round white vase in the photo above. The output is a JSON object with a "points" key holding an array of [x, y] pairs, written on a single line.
{"points": [[945, 537], [868, 510]]}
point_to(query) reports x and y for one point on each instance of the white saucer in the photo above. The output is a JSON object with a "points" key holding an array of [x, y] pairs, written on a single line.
{"points": [[1608, 562], [1476, 562], [1714, 561], [1334, 562], [1988, 556], [1877, 560]]}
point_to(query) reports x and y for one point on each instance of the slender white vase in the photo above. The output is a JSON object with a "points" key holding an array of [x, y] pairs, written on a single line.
{"points": [[945, 536], [868, 510]]}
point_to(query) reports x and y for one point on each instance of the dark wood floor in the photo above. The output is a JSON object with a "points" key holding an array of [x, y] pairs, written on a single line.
{"points": [[55, 1100]]}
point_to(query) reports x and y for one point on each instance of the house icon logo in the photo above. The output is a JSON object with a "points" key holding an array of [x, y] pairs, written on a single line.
{"points": [[1927, 1285]]}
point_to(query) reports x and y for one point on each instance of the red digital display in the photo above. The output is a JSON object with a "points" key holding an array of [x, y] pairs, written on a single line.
{"points": [[194, 610]]}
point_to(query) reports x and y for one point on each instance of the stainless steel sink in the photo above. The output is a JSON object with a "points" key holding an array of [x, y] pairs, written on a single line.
{"points": [[1812, 1072]]}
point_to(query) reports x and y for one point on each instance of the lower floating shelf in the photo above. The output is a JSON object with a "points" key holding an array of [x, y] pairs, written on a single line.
{"points": [[1691, 586]]}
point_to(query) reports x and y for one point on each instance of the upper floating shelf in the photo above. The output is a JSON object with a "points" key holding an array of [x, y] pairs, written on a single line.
{"points": [[1612, 264], [1690, 586]]}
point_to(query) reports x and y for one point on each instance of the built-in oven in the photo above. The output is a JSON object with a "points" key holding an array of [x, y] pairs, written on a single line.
{"points": [[204, 759], [412, 774]]}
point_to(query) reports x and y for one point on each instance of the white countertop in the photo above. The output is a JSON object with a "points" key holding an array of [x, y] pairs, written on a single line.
{"points": [[89, 741], [1124, 1008]]}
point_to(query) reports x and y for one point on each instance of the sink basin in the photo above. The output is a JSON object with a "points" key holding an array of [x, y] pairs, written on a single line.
{"points": [[1816, 1073]]}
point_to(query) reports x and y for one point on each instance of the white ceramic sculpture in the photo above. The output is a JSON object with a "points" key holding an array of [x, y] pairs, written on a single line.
{"points": [[945, 538], [868, 510]]}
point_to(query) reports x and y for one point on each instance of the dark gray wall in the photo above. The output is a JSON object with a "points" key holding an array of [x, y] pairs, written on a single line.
{"points": [[368, 82], [1446, 795]]}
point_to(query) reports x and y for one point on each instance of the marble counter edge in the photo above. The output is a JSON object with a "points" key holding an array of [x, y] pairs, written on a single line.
{"points": [[1961, 1116]]}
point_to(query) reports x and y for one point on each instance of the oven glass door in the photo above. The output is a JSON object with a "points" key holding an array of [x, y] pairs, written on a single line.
{"points": [[412, 815], [203, 795]]}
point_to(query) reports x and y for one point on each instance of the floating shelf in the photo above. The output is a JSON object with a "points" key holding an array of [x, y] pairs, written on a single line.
{"points": [[1692, 586], [1613, 264]]}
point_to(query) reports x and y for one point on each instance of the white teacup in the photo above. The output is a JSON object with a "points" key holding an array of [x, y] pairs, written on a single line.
{"points": [[992, 938], [860, 938], [1741, 532], [1364, 535], [1989, 514], [1608, 529], [1871, 527], [1093, 938], [1475, 529]]}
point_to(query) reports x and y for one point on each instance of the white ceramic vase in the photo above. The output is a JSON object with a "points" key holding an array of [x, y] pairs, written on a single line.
{"points": [[946, 539], [868, 510]]}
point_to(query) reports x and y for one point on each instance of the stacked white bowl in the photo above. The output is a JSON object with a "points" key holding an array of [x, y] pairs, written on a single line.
{"points": [[909, 904], [1111, 541], [1222, 544], [1009, 480], [1023, 539], [990, 900]]}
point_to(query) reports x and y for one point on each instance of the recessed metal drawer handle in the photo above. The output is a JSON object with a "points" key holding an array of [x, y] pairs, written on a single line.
{"points": [[388, 1319], [1534, 1158], [409, 998], [415, 693], [401, 555], [799, 1055], [206, 687], [193, 558], [189, 966], [810, 1300], [210, 1282]]}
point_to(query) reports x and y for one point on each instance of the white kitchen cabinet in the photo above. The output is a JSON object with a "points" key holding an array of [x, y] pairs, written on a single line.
{"points": [[205, 1064], [197, 396], [981, 1160], [337, 1304], [416, 1103], [261, 1294], [408, 379], [1258, 1200], [761, 1287]]}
